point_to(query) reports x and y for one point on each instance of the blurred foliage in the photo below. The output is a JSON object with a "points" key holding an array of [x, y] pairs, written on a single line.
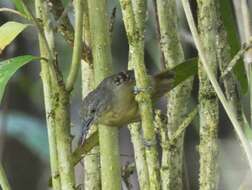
{"points": [[29, 131], [19, 4], [8, 32]]}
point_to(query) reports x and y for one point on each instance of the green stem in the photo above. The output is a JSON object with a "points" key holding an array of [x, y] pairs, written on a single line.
{"points": [[215, 84], [136, 46], [102, 60], [59, 104], [3, 179], [177, 98], [77, 49], [92, 177], [135, 128], [61, 116], [209, 105], [47, 86], [140, 157]]}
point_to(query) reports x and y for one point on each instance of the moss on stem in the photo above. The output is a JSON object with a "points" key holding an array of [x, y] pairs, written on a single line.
{"points": [[57, 101], [172, 160], [47, 88], [209, 106], [135, 35]]}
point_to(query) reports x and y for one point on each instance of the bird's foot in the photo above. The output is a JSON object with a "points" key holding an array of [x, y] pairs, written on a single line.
{"points": [[137, 90]]}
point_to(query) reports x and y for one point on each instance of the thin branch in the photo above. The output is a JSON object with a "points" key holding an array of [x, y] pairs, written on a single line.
{"points": [[66, 29], [82, 151], [236, 58], [41, 31], [12, 11], [184, 125], [215, 84], [77, 46]]}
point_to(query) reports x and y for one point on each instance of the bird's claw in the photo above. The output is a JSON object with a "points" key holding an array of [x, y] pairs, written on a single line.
{"points": [[137, 90]]}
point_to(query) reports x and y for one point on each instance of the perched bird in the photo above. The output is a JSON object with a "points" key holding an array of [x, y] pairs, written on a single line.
{"points": [[113, 102]]}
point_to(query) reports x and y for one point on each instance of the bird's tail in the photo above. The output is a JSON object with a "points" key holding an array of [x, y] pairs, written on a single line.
{"points": [[167, 80]]}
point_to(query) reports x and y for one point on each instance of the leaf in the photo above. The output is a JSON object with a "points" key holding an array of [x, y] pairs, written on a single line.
{"points": [[8, 32], [185, 69], [228, 18], [9, 67], [19, 4]]}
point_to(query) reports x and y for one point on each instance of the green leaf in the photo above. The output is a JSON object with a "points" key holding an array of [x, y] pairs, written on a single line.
{"points": [[19, 4], [9, 67], [8, 32], [228, 18], [185, 69]]}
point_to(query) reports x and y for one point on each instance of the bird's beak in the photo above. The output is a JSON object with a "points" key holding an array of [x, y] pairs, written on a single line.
{"points": [[87, 123]]}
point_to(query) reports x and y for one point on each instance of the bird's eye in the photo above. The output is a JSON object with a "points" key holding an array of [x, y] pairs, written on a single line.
{"points": [[92, 111]]}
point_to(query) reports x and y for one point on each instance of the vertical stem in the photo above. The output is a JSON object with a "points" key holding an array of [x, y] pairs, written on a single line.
{"points": [[135, 35], [3, 179], [135, 128], [172, 161], [62, 122], [102, 59], [46, 81], [209, 109], [215, 84], [77, 49], [59, 104], [140, 157], [92, 177]]}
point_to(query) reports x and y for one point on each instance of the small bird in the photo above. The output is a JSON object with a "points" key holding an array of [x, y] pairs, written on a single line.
{"points": [[113, 101]]}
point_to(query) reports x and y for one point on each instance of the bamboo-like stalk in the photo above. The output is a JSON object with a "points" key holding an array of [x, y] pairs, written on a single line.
{"points": [[92, 178], [4, 183], [172, 161], [46, 81], [135, 128], [77, 49], [59, 103], [209, 108], [135, 35], [215, 84], [102, 60], [140, 157], [92, 159]]}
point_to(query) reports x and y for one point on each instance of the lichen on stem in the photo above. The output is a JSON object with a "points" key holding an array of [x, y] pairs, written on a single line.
{"points": [[135, 36]]}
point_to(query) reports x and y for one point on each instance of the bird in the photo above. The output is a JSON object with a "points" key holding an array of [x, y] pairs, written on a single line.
{"points": [[113, 102]]}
